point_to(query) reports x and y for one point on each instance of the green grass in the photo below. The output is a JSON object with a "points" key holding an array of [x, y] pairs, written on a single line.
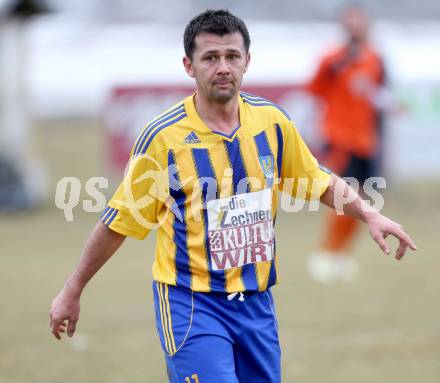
{"points": [[384, 328]]}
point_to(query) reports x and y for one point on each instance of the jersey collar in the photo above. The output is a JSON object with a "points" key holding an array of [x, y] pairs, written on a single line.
{"points": [[200, 124]]}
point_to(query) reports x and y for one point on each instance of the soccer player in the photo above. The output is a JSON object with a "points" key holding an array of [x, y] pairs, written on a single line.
{"points": [[207, 173], [350, 84]]}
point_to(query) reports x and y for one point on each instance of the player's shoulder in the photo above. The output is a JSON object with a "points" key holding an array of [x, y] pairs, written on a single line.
{"points": [[264, 108], [150, 139]]}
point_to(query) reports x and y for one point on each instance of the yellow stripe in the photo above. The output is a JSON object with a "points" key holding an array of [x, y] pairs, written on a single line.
{"points": [[234, 281], [263, 273], [170, 322], [203, 277], [223, 174], [264, 269], [164, 266], [257, 178], [260, 269], [218, 153], [162, 316], [167, 316], [108, 218]]}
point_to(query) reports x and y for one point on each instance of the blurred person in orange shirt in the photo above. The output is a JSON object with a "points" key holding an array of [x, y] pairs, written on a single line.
{"points": [[350, 84]]}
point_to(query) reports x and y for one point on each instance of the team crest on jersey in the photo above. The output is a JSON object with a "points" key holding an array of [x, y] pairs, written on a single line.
{"points": [[266, 163]]}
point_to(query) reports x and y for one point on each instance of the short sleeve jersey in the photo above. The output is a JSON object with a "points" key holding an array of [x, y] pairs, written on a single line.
{"points": [[213, 197]]}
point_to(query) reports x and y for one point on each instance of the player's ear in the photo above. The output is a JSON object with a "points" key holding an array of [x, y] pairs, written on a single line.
{"points": [[248, 60], [188, 66]]}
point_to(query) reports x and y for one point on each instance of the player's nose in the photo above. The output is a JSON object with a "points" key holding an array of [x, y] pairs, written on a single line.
{"points": [[223, 67]]}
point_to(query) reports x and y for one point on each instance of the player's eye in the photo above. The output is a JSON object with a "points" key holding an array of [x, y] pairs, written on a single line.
{"points": [[210, 58]]}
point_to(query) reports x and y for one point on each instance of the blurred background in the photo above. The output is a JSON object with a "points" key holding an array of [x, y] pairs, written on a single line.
{"points": [[79, 80]]}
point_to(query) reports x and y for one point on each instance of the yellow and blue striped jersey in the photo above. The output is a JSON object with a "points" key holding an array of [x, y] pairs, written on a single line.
{"points": [[213, 197]]}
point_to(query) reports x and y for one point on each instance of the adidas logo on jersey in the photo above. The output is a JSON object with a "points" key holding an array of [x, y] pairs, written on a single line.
{"points": [[192, 138]]}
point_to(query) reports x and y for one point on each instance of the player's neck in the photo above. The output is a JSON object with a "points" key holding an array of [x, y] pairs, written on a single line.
{"points": [[220, 117]]}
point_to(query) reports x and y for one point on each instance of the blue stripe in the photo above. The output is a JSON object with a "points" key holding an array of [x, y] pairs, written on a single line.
{"points": [[227, 135], [108, 214], [113, 216], [280, 151], [183, 277], [252, 96], [157, 122], [237, 164], [147, 129], [266, 104], [249, 272], [263, 149], [258, 101], [324, 169], [204, 169], [255, 98], [105, 211], [168, 123]]}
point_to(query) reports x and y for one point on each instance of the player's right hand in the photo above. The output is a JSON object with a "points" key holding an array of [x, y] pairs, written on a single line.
{"points": [[64, 313]]}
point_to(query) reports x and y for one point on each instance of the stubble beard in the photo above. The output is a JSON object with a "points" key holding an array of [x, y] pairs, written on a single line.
{"points": [[223, 96]]}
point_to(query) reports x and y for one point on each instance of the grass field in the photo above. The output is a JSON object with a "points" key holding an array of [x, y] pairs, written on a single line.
{"points": [[385, 328]]}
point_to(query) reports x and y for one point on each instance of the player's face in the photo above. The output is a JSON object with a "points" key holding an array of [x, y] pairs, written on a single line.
{"points": [[218, 65], [356, 23]]}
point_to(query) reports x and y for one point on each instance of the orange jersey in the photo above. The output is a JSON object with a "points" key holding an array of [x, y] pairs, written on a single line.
{"points": [[345, 81]]}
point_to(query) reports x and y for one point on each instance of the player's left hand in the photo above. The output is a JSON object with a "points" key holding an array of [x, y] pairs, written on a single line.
{"points": [[381, 227]]}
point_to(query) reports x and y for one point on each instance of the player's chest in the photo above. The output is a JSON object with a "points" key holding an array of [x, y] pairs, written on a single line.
{"points": [[227, 166]]}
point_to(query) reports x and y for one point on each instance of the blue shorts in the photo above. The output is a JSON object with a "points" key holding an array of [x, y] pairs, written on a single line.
{"points": [[213, 337]]}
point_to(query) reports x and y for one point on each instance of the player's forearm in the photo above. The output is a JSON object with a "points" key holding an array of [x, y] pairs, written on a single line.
{"points": [[100, 246], [339, 195]]}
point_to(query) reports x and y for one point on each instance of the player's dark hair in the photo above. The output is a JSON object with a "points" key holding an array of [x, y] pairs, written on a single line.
{"points": [[219, 22]]}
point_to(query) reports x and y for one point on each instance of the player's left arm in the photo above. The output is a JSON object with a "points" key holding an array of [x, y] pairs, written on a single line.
{"points": [[379, 226]]}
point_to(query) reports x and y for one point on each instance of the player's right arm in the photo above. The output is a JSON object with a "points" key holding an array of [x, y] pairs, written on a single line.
{"points": [[133, 211], [101, 245]]}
